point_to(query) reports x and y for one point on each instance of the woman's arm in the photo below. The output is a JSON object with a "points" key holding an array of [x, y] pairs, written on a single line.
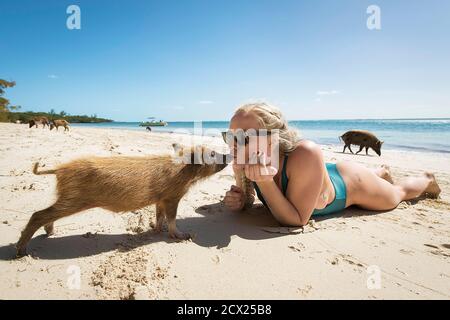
{"points": [[305, 183]]}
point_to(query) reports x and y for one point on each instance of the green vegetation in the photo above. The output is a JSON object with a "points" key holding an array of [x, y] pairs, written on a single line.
{"points": [[24, 117], [9, 113]]}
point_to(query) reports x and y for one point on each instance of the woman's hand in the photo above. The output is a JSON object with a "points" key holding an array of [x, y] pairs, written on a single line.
{"points": [[234, 199], [262, 171]]}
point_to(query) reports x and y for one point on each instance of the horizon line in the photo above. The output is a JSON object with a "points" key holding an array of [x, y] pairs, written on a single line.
{"points": [[339, 119]]}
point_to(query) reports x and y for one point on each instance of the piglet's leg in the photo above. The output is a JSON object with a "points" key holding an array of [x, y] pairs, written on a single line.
{"points": [[160, 217], [171, 214]]}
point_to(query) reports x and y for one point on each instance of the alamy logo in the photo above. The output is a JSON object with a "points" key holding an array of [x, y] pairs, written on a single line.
{"points": [[374, 19], [250, 146], [73, 21]]}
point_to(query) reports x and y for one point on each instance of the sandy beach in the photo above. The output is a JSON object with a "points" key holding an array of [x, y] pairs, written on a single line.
{"points": [[232, 255]]}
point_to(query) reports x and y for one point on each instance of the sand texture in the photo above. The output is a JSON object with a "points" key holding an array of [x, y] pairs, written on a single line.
{"points": [[232, 255]]}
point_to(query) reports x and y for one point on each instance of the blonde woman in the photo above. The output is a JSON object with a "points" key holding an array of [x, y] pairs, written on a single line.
{"points": [[304, 185]]}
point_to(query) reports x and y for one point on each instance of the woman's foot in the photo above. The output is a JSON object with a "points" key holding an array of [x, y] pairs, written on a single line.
{"points": [[385, 173], [433, 190]]}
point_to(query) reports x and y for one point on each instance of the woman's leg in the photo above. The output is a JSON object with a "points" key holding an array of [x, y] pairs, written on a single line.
{"points": [[367, 190]]}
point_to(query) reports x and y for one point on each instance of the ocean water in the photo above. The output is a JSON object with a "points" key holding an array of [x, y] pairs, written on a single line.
{"points": [[426, 135]]}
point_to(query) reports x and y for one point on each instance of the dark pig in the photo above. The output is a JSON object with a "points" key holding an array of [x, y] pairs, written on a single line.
{"points": [[363, 139]]}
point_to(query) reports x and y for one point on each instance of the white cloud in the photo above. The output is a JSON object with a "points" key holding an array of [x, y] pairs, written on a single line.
{"points": [[205, 102], [327, 93], [52, 76]]}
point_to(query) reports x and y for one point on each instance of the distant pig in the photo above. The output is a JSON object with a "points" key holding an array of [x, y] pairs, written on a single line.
{"points": [[59, 123], [363, 139], [38, 120]]}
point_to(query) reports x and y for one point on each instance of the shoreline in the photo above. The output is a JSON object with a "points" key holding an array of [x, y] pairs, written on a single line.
{"points": [[336, 149], [397, 148]]}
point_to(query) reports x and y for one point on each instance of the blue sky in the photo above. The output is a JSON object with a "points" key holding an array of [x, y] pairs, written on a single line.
{"points": [[199, 59]]}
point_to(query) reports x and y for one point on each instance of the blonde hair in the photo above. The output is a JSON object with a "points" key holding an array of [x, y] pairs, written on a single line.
{"points": [[271, 118]]}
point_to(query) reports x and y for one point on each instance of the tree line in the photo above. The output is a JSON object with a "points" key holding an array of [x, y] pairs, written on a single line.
{"points": [[25, 117]]}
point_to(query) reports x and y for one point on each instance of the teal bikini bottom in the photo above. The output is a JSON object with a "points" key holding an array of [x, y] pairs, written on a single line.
{"points": [[340, 189]]}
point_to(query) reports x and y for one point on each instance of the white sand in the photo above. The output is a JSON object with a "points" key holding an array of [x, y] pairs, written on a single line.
{"points": [[233, 255]]}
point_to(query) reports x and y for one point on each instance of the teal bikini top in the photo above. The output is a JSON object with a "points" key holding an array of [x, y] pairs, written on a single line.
{"points": [[340, 189]]}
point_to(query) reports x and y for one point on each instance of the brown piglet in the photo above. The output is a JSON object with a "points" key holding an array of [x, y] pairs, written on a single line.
{"points": [[121, 184]]}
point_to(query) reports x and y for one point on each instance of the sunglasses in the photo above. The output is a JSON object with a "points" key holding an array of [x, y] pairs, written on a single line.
{"points": [[241, 137]]}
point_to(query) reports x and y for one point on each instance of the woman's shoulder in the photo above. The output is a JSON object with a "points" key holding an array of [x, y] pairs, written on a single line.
{"points": [[305, 150], [303, 158]]}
